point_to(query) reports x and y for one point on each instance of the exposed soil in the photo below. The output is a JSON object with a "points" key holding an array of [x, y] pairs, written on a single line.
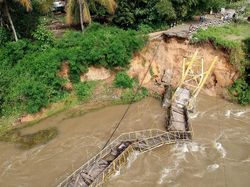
{"points": [[64, 73], [96, 73], [166, 56], [169, 57]]}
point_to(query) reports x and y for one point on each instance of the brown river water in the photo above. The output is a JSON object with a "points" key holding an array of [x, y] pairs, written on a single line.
{"points": [[219, 154]]}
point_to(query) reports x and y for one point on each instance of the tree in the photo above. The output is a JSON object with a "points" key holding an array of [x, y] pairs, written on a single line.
{"points": [[4, 7], [7, 8], [78, 11], [166, 9]]}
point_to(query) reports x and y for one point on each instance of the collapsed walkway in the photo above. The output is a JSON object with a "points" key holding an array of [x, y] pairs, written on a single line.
{"points": [[98, 169], [109, 160]]}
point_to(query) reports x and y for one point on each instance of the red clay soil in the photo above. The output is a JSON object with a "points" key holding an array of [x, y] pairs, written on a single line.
{"points": [[169, 57]]}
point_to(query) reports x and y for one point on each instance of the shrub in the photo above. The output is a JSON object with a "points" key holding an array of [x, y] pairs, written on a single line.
{"points": [[43, 36], [14, 51], [25, 22], [107, 46], [84, 90], [166, 10], [145, 29], [241, 90], [4, 35], [122, 80], [29, 75], [131, 14], [129, 96], [31, 82]]}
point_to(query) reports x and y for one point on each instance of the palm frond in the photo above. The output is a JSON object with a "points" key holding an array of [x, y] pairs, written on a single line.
{"points": [[86, 13], [110, 5], [26, 4], [45, 5], [70, 11]]}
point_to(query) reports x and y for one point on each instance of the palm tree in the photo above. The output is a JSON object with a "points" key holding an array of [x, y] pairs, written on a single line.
{"points": [[4, 7], [78, 10]]}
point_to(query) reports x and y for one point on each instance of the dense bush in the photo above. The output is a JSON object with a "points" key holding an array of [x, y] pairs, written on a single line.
{"points": [[131, 14], [44, 37], [84, 90], [29, 71], [241, 91], [241, 87], [4, 35], [107, 46], [31, 82], [122, 80], [130, 96], [25, 22]]}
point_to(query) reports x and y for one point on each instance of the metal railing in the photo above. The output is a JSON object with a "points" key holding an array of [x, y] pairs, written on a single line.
{"points": [[156, 139], [131, 136]]}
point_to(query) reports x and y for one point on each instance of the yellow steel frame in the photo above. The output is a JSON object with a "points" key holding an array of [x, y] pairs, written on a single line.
{"points": [[194, 75]]}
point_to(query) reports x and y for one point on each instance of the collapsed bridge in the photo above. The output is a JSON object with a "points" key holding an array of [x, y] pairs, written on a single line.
{"points": [[178, 104]]}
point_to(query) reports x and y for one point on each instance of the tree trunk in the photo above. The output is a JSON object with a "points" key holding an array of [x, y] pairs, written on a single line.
{"points": [[81, 15], [10, 20]]}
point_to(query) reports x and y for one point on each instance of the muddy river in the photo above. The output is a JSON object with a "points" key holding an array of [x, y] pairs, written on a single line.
{"points": [[218, 156]]}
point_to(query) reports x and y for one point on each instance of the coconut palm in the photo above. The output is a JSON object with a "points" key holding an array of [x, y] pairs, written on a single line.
{"points": [[4, 10], [78, 10]]}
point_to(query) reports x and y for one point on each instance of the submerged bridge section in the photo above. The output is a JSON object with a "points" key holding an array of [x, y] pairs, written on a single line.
{"points": [[110, 159], [98, 169]]}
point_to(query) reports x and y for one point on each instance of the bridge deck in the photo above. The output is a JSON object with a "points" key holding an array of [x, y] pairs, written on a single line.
{"points": [[98, 169]]}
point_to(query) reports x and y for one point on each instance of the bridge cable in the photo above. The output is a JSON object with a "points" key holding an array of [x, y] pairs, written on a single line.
{"points": [[133, 98]]}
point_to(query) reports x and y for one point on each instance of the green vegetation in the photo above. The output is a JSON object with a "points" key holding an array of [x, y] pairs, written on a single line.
{"points": [[234, 38], [241, 91], [156, 13], [29, 72], [79, 11], [122, 80], [21, 17], [228, 36], [239, 6], [30, 67], [107, 46], [84, 90], [43, 37], [130, 96]]}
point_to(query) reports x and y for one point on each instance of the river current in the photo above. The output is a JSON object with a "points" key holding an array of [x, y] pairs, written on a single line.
{"points": [[219, 154]]}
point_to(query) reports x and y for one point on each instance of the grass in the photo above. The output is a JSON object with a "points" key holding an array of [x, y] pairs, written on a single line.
{"points": [[228, 36], [235, 39]]}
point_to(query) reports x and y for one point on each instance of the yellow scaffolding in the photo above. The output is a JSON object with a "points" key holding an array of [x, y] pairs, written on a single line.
{"points": [[194, 76]]}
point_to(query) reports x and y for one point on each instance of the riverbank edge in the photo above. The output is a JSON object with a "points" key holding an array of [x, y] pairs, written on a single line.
{"points": [[71, 106]]}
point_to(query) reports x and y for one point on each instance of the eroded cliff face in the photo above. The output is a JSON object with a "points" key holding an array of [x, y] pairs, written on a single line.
{"points": [[167, 56]]}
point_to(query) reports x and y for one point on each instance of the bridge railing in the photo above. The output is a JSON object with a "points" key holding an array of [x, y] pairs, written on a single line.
{"points": [[131, 136], [115, 166]]}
